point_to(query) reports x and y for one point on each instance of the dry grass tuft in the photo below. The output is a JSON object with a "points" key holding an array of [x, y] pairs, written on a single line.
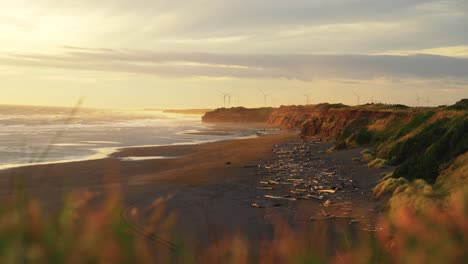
{"points": [[377, 163]]}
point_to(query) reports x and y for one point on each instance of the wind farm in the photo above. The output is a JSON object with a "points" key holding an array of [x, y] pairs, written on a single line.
{"points": [[226, 98]]}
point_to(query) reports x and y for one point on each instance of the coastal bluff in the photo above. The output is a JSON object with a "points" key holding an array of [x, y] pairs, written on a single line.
{"points": [[326, 121], [238, 115], [419, 141], [331, 122]]}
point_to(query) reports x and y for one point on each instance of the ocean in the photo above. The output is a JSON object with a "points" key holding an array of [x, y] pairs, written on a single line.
{"points": [[39, 135]]}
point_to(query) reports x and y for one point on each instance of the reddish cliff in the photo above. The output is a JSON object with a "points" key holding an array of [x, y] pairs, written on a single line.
{"points": [[326, 121], [418, 141], [330, 122], [238, 115]]}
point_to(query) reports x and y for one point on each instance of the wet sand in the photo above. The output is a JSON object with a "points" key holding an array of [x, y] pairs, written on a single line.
{"points": [[214, 186]]}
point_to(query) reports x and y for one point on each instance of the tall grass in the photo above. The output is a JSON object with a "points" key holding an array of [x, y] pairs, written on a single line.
{"points": [[81, 233]]}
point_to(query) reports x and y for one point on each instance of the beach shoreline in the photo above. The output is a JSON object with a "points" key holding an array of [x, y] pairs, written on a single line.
{"points": [[218, 132], [214, 185], [89, 173]]}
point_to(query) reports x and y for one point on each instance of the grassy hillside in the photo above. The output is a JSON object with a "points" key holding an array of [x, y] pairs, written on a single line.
{"points": [[420, 195], [421, 146]]}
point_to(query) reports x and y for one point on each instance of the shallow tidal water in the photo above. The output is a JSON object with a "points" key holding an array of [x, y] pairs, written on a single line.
{"points": [[36, 135]]}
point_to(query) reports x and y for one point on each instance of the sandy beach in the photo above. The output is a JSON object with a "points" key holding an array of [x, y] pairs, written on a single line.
{"points": [[215, 186]]}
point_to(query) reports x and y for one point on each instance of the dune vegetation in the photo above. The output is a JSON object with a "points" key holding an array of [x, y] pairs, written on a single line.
{"points": [[424, 147]]}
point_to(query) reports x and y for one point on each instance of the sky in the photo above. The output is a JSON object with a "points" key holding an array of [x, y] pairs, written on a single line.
{"points": [[185, 53]]}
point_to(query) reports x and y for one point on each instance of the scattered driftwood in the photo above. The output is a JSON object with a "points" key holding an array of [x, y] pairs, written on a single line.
{"points": [[314, 196], [327, 191], [299, 172], [280, 198], [256, 205], [264, 188]]}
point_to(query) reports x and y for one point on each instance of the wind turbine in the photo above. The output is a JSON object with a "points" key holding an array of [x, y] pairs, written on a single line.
{"points": [[229, 99], [358, 97], [427, 101], [225, 95], [418, 99], [307, 96], [264, 96]]}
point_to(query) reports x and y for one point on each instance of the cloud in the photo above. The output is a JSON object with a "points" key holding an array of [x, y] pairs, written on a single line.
{"points": [[247, 12], [273, 26], [286, 66]]}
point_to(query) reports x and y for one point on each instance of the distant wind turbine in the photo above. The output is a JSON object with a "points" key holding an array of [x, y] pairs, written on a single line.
{"points": [[358, 97], [229, 99], [225, 96], [307, 96], [427, 101], [418, 99], [265, 96]]}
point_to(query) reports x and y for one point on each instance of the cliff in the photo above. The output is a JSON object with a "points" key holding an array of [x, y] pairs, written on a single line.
{"points": [[419, 141], [238, 115], [334, 121]]}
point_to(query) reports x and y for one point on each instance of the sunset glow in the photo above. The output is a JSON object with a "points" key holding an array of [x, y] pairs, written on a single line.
{"points": [[134, 54]]}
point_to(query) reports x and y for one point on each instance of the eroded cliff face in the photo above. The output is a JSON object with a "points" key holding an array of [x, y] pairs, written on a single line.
{"points": [[323, 121], [326, 122], [419, 142], [293, 117], [238, 115]]}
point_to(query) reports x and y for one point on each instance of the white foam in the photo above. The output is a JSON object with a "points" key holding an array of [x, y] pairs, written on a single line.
{"points": [[93, 142], [72, 145], [146, 158]]}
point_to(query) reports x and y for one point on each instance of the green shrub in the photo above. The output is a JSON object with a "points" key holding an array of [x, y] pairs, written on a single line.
{"points": [[460, 105], [421, 156], [366, 151], [377, 163], [349, 131], [368, 156], [399, 106], [388, 186], [362, 137], [338, 106], [416, 122]]}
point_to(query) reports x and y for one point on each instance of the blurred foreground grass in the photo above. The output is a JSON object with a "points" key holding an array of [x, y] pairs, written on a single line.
{"points": [[80, 233]]}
